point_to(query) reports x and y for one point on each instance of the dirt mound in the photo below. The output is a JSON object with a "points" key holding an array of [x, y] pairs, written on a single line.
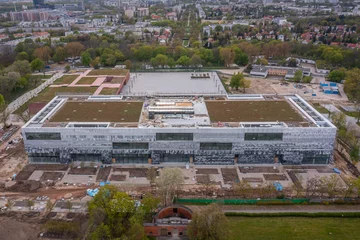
{"points": [[25, 186], [13, 229]]}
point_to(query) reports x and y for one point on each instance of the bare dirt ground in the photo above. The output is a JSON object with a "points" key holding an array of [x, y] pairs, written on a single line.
{"points": [[258, 170], [12, 160], [83, 171], [229, 175], [11, 228], [119, 178], [134, 172], [275, 177], [103, 174], [207, 171]]}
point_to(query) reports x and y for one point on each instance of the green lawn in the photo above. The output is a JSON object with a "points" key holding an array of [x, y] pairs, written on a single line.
{"points": [[108, 91], [86, 80], [66, 79], [108, 71], [49, 93], [351, 114], [294, 228], [320, 108]]}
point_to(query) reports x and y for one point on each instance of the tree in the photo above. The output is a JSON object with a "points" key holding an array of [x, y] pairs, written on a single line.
{"points": [[171, 63], [74, 49], [236, 80], [22, 56], [241, 58], [331, 185], [218, 28], [339, 120], [292, 62], [148, 205], [30, 203], [169, 183], [2, 100], [242, 188], [352, 87], [245, 83], [128, 64], [161, 60], [67, 68], [60, 54], [209, 224], [337, 75], [21, 66], [298, 76], [115, 216], [184, 61], [95, 63], [85, 58], [144, 53], [195, 60], [49, 205], [43, 53], [262, 61], [227, 55], [37, 65]]}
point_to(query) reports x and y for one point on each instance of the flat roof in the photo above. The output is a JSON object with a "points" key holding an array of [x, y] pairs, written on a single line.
{"points": [[173, 83], [252, 111], [88, 111]]}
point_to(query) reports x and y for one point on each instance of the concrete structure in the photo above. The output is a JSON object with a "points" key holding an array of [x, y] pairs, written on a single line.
{"points": [[170, 221], [166, 129], [286, 72]]}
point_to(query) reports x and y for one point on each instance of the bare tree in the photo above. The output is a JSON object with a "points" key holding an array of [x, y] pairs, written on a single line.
{"points": [[169, 183], [208, 184], [242, 189], [267, 190], [4, 116], [30, 203], [312, 187], [25, 116], [209, 223], [331, 185], [49, 205]]}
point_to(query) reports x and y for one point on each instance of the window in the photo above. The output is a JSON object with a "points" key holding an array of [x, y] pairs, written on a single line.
{"points": [[131, 158], [43, 136], [44, 157], [174, 136], [263, 136], [316, 159], [130, 145], [215, 146]]}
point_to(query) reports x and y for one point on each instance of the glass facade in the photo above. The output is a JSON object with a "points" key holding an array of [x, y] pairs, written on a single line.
{"points": [[175, 158], [131, 158], [174, 136], [263, 136], [86, 157], [215, 146], [316, 159], [44, 157], [43, 136], [130, 145]]}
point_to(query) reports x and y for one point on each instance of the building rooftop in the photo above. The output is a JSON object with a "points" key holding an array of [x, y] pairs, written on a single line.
{"points": [[178, 112], [93, 111], [252, 111]]}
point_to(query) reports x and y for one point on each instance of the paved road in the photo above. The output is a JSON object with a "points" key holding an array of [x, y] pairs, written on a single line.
{"points": [[291, 211]]}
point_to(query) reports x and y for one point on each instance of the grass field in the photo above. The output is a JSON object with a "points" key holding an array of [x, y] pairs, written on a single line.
{"points": [[86, 80], [251, 111], [99, 112], [49, 93], [108, 72], [320, 108], [108, 91], [294, 228], [66, 79]]}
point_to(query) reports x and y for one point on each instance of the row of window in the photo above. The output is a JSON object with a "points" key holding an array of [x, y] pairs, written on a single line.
{"points": [[167, 137]]}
